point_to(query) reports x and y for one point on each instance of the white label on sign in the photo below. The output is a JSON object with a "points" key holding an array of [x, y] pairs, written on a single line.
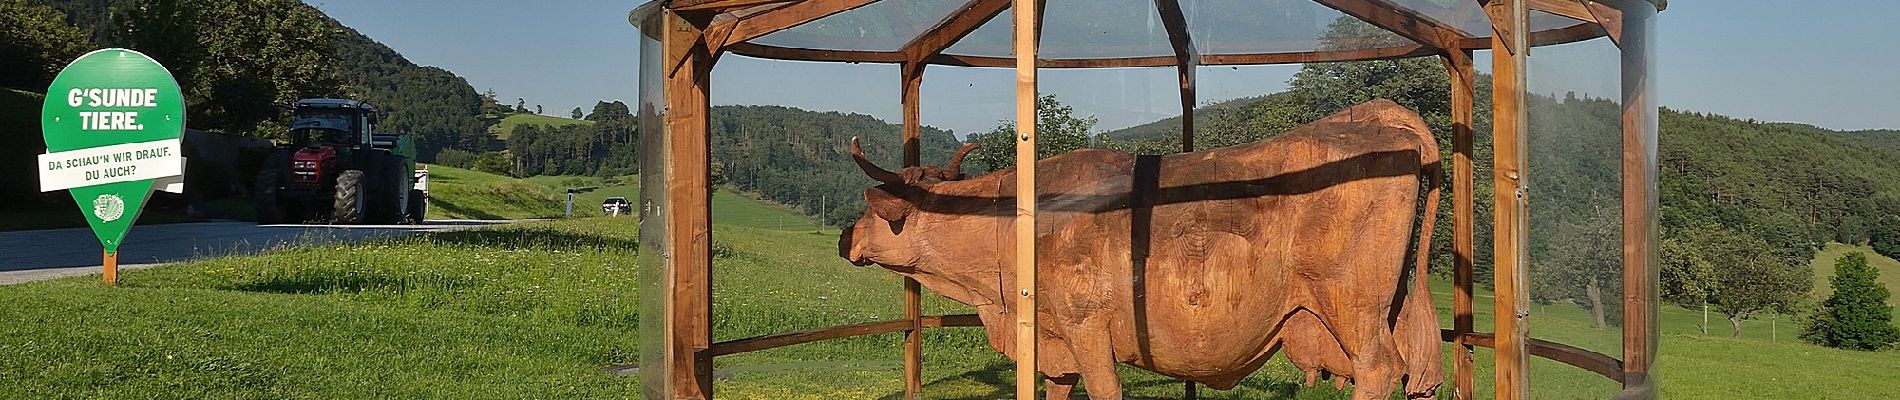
{"points": [[111, 164]]}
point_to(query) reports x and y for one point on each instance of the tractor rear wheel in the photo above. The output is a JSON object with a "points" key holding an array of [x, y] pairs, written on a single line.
{"points": [[348, 207], [385, 201], [418, 205]]}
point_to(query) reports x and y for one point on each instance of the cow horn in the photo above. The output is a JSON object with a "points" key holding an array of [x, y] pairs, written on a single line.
{"points": [[879, 174], [956, 161]]}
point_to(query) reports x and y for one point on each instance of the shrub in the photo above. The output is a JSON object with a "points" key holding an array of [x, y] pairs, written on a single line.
{"points": [[456, 158]]}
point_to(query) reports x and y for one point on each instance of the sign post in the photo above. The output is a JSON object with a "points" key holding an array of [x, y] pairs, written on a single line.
{"points": [[112, 121]]}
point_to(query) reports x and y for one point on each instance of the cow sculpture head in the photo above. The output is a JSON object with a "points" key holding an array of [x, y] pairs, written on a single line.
{"points": [[892, 210]]}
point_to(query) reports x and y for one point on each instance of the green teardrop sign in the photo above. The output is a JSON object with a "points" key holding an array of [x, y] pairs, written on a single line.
{"points": [[112, 121]]}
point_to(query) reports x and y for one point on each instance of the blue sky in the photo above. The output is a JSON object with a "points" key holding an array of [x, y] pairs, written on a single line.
{"points": [[1834, 64]]}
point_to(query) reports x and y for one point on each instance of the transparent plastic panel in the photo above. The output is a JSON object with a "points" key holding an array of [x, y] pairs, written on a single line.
{"points": [[1542, 21], [1279, 26], [1103, 29], [879, 26], [1576, 226], [990, 40], [651, 202], [1465, 15]]}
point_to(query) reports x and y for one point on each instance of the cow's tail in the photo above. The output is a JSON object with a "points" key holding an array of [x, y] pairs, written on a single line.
{"points": [[1418, 328]]}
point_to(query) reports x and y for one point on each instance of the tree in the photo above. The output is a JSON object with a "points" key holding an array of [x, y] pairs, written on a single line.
{"points": [[1058, 131], [576, 114], [521, 105], [1749, 277], [605, 111], [1857, 315], [1687, 278], [35, 43], [537, 109], [239, 61], [1884, 236]]}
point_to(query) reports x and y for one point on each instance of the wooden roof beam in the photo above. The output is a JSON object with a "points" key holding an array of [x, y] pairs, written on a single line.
{"points": [[719, 5], [1573, 9], [1400, 20], [1176, 23], [952, 29], [784, 17]]}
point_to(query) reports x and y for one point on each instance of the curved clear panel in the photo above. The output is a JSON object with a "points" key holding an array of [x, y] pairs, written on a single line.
{"points": [[1278, 26], [1576, 216], [990, 40], [1543, 22], [1467, 16], [878, 26], [652, 198], [1103, 29]]}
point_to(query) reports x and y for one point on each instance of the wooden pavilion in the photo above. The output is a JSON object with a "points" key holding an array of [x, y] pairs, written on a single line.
{"points": [[682, 40]]}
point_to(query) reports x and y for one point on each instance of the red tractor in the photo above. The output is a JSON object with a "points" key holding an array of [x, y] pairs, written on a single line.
{"points": [[337, 169]]}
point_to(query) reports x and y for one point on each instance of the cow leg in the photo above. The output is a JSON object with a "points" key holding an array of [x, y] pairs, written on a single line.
{"points": [[1060, 386], [1368, 340], [1095, 357], [1376, 366]]}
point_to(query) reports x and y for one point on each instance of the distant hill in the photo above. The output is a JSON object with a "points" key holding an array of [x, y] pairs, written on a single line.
{"points": [[432, 103], [802, 158], [1172, 125], [507, 125]]}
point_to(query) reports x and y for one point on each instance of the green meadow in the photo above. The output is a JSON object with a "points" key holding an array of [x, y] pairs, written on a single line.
{"points": [[507, 125], [548, 309]]}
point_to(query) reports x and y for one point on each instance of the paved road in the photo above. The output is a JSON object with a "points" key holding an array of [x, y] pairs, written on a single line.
{"points": [[43, 254]]}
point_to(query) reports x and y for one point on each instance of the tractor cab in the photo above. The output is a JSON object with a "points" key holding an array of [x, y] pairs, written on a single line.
{"points": [[333, 122]]}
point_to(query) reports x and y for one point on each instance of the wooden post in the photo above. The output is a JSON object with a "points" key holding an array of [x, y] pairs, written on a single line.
{"points": [[110, 261], [1463, 249], [688, 309], [1640, 267], [1510, 51], [913, 79], [1027, 32]]}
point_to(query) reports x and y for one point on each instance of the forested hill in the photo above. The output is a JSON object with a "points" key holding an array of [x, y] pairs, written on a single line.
{"points": [[803, 158], [1172, 125], [243, 62], [433, 103]]}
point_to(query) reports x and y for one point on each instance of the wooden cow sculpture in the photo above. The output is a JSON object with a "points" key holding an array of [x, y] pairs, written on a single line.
{"points": [[1198, 266]]}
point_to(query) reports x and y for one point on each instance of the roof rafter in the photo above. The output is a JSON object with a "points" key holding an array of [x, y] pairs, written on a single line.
{"points": [[952, 29], [783, 17], [1400, 20], [1176, 23], [719, 5], [1573, 9]]}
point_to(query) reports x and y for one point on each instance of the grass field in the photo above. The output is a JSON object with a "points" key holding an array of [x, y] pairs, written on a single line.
{"points": [[1824, 269], [508, 124], [456, 193], [536, 310]]}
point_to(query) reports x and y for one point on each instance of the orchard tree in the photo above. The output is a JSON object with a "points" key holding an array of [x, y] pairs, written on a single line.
{"points": [[1857, 315], [1058, 131], [1687, 277], [1748, 276]]}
